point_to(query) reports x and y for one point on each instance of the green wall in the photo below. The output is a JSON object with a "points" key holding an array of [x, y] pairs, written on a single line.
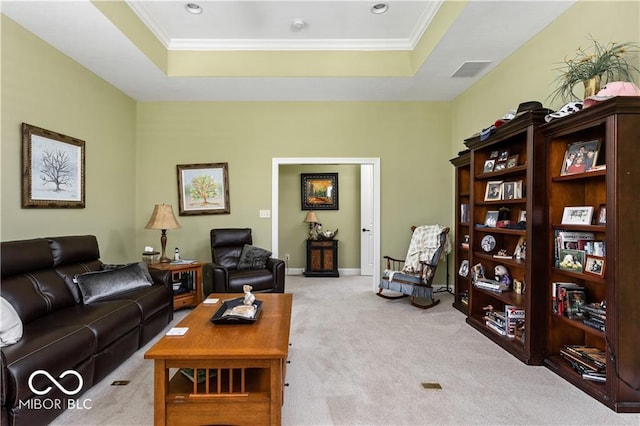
{"points": [[410, 138], [42, 87]]}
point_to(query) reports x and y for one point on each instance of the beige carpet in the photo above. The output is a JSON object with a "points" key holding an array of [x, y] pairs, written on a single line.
{"points": [[357, 359]]}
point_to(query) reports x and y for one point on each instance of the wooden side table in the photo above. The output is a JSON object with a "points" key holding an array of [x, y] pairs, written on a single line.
{"points": [[191, 275], [322, 258]]}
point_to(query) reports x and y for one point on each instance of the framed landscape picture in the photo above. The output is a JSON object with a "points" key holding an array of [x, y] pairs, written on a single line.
{"points": [[203, 189], [53, 169], [319, 191]]}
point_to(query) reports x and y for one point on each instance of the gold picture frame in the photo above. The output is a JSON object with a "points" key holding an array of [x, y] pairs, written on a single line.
{"points": [[203, 189], [53, 169]]}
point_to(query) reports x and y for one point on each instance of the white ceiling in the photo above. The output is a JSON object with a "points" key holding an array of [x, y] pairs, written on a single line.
{"points": [[483, 31]]}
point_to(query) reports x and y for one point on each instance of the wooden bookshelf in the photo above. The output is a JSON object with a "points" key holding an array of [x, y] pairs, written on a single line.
{"points": [[522, 138], [616, 124]]}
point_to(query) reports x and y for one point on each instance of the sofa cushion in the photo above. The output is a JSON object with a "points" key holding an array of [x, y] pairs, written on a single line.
{"points": [[259, 279], [253, 257], [10, 324], [53, 349], [107, 320], [101, 285], [150, 300], [36, 294], [23, 256], [74, 249]]}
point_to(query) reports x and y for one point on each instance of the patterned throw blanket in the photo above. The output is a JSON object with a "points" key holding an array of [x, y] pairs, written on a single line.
{"points": [[424, 243]]}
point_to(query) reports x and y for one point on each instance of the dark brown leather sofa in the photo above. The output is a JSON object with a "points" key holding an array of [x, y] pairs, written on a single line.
{"points": [[61, 332], [224, 275]]}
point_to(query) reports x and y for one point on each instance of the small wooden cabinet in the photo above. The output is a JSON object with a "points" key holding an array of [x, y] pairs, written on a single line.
{"points": [[322, 258], [190, 276]]}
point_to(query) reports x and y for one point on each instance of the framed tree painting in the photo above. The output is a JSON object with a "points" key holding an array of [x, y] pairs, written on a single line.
{"points": [[319, 191], [53, 169], [203, 189]]}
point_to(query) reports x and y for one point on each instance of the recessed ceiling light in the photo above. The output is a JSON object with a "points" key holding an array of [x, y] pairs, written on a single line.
{"points": [[379, 8], [298, 24], [193, 8]]}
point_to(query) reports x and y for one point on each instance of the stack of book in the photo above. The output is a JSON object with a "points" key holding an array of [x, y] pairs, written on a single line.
{"points": [[595, 315], [496, 321], [589, 362], [505, 323]]}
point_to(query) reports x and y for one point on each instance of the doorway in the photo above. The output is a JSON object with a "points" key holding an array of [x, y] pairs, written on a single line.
{"points": [[374, 163]]}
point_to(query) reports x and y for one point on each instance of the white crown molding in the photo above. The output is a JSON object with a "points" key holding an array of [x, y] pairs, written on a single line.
{"points": [[282, 44]]}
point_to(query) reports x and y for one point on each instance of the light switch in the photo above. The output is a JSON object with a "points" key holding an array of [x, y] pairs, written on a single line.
{"points": [[265, 213]]}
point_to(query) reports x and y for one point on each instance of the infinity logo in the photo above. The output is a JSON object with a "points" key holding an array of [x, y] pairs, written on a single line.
{"points": [[55, 382]]}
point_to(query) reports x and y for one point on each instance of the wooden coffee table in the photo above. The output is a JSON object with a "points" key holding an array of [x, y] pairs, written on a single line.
{"points": [[245, 364]]}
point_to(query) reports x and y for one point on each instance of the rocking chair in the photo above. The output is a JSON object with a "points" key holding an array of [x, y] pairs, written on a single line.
{"points": [[414, 276]]}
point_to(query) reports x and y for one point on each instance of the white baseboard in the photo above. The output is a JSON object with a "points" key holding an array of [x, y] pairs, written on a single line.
{"points": [[345, 271]]}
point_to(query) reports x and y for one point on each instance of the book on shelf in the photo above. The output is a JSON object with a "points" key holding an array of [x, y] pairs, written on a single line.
{"points": [[495, 327], [594, 355], [595, 377], [595, 309], [598, 325], [464, 213], [491, 285], [579, 363], [575, 300], [559, 296], [514, 316], [568, 240]]}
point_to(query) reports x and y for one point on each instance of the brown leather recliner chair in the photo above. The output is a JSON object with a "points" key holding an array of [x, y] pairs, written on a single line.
{"points": [[224, 276]]}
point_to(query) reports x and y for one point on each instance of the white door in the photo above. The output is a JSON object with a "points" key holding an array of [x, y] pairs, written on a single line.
{"points": [[366, 220]]}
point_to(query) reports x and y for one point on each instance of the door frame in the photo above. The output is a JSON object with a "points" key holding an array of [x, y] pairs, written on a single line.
{"points": [[275, 196]]}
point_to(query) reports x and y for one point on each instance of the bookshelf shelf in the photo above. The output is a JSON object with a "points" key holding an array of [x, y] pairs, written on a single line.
{"points": [[615, 123]]}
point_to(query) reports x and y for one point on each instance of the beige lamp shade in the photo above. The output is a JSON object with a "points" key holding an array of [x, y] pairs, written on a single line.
{"points": [[311, 217], [163, 218]]}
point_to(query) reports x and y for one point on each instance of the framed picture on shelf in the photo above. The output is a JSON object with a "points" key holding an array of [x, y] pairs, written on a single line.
{"points": [[571, 260], [493, 192], [500, 165], [517, 189], [319, 191], [594, 265], [508, 190], [491, 219], [503, 155], [522, 217], [53, 169], [512, 161], [580, 157], [602, 215], [203, 189], [520, 253], [464, 268], [577, 215], [488, 166], [493, 155]]}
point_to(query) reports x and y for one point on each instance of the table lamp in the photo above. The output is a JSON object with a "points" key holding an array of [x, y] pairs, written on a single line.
{"points": [[312, 220], [163, 218]]}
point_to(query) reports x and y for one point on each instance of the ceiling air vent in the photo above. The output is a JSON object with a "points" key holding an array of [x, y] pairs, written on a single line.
{"points": [[470, 68]]}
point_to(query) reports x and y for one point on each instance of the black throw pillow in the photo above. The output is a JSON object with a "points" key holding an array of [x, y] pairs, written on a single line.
{"points": [[253, 257]]}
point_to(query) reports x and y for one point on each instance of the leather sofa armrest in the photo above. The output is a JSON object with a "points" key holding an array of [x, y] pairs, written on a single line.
{"points": [[162, 278], [277, 268], [215, 278]]}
